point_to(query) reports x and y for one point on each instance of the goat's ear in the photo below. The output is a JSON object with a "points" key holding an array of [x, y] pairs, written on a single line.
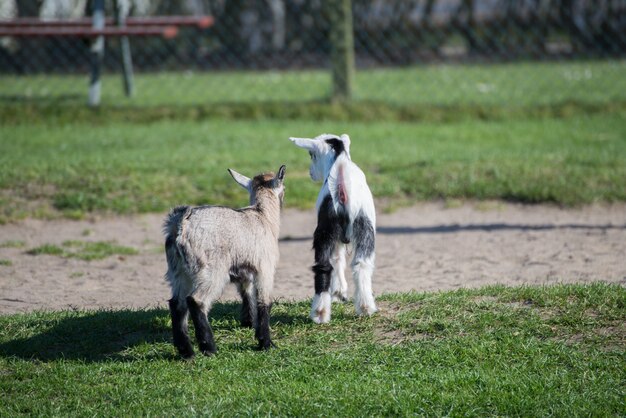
{"points": [[305, 143], [281, 173], [346, 143], [346, 140], [242, 180]]}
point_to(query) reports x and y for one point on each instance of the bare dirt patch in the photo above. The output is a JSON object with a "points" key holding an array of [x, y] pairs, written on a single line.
{"points": [[607, 338], [426, 247]]}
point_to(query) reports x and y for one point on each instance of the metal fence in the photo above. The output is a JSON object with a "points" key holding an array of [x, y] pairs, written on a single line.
{"points": [[284, 50]]}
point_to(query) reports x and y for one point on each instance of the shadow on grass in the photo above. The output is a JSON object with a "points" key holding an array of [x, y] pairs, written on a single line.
{"points": [[90, 336], [43, 100], [95, 336], [72, 108]]}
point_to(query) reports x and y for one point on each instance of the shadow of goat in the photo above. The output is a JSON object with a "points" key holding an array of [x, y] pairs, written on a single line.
{"points": [[104, 335]]}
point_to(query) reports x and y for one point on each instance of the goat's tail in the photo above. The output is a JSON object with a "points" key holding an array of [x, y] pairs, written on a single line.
{"points": [[339, 185], [173, 224], [172, 229]]}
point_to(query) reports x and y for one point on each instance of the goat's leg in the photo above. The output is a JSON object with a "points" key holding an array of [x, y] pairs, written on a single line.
{"points": [[324, 245], [338, 285], [363, 266], [204, 333], [263, 284], [248, 305], [180, 313], [263, 326], [362, 270], [209, 287]]}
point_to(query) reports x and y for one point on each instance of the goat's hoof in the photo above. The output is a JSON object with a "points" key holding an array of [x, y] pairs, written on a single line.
{"points": [[186, 354], [367, 310], [338, 297], [320, 317], [185, 351], [266, 345], [208, 350]]}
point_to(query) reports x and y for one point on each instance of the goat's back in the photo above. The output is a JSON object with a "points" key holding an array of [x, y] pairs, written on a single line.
{"points": [[347, 179], [218, 235]]}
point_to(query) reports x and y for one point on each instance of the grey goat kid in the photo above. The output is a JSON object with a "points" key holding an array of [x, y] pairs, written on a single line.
{"points": [[346, 220], [207, 246]]}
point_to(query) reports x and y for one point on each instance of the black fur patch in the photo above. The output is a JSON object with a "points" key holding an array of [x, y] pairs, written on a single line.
{"points": [[325, 238], [337, 145], [322, 270], [364, 237], [344, 220], [204, 333], [242, 272], [180, 329], [246, 316], [263, 327]]}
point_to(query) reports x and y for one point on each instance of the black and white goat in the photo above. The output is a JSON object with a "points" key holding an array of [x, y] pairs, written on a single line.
{"points": [[207, 246], [346, 219]]}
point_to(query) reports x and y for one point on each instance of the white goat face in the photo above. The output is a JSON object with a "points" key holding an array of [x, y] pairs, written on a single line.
{"points": [[323, 150]]}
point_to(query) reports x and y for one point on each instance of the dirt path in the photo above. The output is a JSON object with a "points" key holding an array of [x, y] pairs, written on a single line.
{"points": [[426, 247]]}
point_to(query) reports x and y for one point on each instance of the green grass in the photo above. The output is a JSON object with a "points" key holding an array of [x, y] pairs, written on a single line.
{"points": [[526, 132], [75, 168], [521, 84], [4, 262], [495, 351], [12, 244], [83, 250]]}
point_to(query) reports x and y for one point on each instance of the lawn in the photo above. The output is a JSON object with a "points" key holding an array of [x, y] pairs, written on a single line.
{"points": [[494, 85], [73, 168], [493, 351], [538, 133]]}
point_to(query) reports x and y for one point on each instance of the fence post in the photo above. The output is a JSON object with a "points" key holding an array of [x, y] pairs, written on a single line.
{"points": [[97, 54], [121, 11], [341, 48]]}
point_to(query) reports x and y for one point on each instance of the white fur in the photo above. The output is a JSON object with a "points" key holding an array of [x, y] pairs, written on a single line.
{"points": [[216, 238], [359, 194], [340, 172], [203, 244], [338, 284], [362, 271], [320, 308]]}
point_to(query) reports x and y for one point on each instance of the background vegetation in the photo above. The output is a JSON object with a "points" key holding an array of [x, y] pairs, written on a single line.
{"points": [[559, 141], [515, 86]]}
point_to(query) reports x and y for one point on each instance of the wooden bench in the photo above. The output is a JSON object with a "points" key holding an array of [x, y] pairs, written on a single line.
{"points": [[97, 29]]}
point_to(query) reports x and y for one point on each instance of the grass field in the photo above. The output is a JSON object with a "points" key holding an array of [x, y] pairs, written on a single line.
{"points": [[73, 168], [525, 84], [541, 132], [494, 351]]}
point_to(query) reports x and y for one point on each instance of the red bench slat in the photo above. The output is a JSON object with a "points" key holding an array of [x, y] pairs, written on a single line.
{"points": [[86, 32], [199, 21]]}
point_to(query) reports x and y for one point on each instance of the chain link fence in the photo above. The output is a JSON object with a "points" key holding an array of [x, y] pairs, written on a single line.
{"points": [[522, 52]]}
